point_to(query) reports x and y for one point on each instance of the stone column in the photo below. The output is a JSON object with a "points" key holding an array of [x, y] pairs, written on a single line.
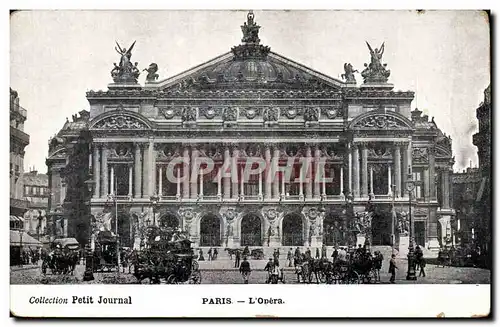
{"points": [[267, 174], [219, 182], [426, 184], [234, 173], [371, 181], [397, 171], [227, 180], [309, 177], [112, 181], [276, 185], [341, 180], [349, 173], [355, 170], [186, 173], [130, 181], [389, 180], [406, 164], [153, 169], [97, 172], [145, 173], [364, 171], [194, 172], [432, 174], [137, 171], [317, 174], [446, 189], [105, 180], [160, 180], [261, 175]]}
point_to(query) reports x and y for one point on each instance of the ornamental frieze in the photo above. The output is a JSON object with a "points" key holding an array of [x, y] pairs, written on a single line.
{"points": [[291, 112], [120, 122], [210, 112], [379, 152], [379, 121], [331, 112], [189, 114], [251, 113], [311, 114], [230, 114]]}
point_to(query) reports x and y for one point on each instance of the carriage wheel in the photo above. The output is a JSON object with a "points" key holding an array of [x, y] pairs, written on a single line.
{"points": [[171, 279], [353, 278], [322, 276], [195, 265], [195, 277]]}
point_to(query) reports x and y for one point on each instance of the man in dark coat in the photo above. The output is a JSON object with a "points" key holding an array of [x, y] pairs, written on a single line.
{"points": [[245, 270], [216, 253], [269, 268], [323, 251], [422, 267], [392, 269], [238, 258]]}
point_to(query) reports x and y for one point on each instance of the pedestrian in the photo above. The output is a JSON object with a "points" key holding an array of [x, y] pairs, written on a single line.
{"points": [[289, 257], [335, 254], [359, 249], [278, 253], [237, 261], [392, 269], [308, 254], [297, 253], [201, 258], [269, 268], [276, 256], [246, 251], [216, 253], [245, 270], [323, 251], [422, 267], [210, 254], [317, 253]]}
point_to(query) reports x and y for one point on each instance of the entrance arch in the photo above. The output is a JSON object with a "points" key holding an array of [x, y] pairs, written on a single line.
{"points": [[251, 230], [169, 220], [123, 229], [293, 231], [210, 234], [332, 230]]}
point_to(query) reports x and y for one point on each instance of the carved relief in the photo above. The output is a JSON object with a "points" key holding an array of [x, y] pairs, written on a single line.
{"points": [[210, 113], [290, 112], [332, 152], [251, 113], [120, 151], [311, 213], [270, 213], [420, 154], [187, 214], [189, 114], [379, 121], [170, 112], [331, 112], [311, 114], [228, 213], [230, 114], [168, 152], [271, 114], [379, 152], [120, 122]]}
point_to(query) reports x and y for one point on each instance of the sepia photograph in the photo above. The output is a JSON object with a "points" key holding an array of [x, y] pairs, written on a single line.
{"points": [[320, 149]]}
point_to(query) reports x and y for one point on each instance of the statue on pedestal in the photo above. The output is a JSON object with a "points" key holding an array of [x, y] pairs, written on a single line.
{"points": [[152, 75], [125, 72], [349, 73], [376, 72]]}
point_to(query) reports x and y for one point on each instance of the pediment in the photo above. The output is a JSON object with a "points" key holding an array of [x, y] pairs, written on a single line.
{"points": [[120, 120], [381, 120], [230, 71]]}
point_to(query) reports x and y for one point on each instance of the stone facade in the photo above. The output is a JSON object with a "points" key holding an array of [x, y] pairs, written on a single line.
{"points": [[36, 192]]}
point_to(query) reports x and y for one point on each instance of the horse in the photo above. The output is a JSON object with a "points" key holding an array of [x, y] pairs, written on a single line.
{"points": [[231, 252], [301, 268]]}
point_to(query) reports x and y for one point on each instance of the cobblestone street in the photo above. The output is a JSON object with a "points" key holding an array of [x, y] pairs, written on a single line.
{"points": [[223, 272]]}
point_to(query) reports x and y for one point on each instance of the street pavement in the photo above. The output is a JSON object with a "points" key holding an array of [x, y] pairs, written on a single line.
{"points": [[223, 272]]}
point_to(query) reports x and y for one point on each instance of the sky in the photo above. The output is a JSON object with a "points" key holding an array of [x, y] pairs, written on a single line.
{"points": [[57, 56]]}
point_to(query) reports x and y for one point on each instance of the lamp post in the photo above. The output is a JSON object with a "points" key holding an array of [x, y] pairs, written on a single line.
{"points": [[411, 274], [89, 258], [21, 245], [154, 202], [348, 215]]}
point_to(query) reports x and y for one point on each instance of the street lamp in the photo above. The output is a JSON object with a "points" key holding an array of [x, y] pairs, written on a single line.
{"points": [[410, 186], [89, 258], [348, 215]]}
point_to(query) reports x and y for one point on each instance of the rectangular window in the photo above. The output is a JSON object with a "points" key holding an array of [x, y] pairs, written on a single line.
{"points": [[26, 190], [417, 178]]}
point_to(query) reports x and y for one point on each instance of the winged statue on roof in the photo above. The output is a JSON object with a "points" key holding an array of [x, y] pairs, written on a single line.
{"points": [[125, 71]]}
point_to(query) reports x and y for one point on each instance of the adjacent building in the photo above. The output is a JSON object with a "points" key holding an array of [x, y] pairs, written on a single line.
{"points": [[465, 185], [18, 142], [36, 192], [482, 140]]}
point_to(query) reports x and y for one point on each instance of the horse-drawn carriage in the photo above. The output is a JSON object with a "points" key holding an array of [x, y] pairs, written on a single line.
{"points": [[105, 256], [168, 257], [63, 256]]}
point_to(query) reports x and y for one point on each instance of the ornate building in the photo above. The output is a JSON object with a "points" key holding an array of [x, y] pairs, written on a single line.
{"points": [[483, 204], [18, 142], [36, 192], [147, 142]]}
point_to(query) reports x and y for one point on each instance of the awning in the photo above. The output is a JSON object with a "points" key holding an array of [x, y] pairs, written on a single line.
{"points": [[26, 240], [16, 218]]}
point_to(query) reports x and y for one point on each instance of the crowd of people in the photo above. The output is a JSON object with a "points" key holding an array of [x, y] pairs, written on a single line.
{"points": [[24, 256]]}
